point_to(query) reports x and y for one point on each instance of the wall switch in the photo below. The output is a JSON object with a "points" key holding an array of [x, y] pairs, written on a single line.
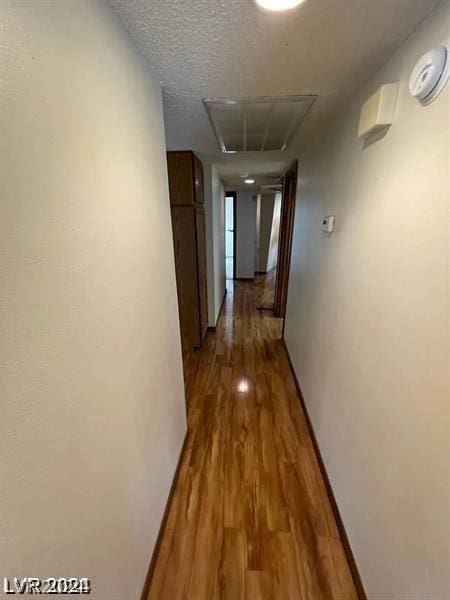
{"points": [[328, 224]]}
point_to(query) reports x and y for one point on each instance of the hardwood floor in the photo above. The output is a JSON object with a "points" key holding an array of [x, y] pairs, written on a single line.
{"points": [[250, 518], [265, 290]]}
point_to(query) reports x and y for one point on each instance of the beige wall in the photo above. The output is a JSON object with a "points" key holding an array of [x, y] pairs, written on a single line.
{"points": [[246, 233], [215, 239], [218, 195], [368, 329], [207, 180], [264, 228], [92, 403], [272, 257]]}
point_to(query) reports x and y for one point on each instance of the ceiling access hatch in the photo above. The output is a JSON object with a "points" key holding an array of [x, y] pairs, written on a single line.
{"points": [[257, 124]]}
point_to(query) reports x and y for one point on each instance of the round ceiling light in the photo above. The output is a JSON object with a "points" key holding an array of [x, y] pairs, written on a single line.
{"points": [[278, 5], [249, 181]]}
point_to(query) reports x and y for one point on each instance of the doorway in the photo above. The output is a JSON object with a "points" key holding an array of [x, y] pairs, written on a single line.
{"points": [[230, 237], [285, 240], [268, 227], [275, 221]]}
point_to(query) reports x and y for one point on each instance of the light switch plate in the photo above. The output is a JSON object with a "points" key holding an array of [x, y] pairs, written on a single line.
{"points": [[328, 224]]}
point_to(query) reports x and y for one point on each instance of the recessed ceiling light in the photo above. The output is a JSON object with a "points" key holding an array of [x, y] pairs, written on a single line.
{"points": [[278, 5], [249, 180]]}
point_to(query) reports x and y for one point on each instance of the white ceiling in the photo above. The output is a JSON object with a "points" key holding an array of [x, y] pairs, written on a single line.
{"points": [[265, 168], [231, 49]]}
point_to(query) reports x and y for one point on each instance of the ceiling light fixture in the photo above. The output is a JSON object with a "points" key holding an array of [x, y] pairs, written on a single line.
{"points": [[278, 5], [249, 181]]}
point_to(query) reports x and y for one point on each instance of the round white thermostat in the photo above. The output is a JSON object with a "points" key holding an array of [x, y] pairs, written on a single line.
{"points": [[430, 75]]}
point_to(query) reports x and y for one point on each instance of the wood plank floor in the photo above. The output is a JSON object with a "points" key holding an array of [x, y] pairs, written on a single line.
{"points": [[265, 290], [250, 518]]}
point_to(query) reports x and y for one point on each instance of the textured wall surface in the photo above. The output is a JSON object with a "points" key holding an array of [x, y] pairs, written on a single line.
{"points": [[215, 239], [92, 413], [209, 231], [218, 194], [367, 329], [265, 229], [272, 258], [245, 234]]}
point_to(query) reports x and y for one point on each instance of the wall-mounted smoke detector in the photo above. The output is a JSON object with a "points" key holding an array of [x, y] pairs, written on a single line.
{"points": [[257, 124], [430, 74]]}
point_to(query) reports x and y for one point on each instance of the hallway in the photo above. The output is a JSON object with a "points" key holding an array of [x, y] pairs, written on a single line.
{"points": [[250, 517], [206, 206]]}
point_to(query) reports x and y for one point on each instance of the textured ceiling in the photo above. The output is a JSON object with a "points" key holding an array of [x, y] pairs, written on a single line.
{"points": [[266, 169], [231, 49]]}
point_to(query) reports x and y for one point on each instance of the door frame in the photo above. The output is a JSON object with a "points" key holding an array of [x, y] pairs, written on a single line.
{"points": [[288, 200], [234, 196]]}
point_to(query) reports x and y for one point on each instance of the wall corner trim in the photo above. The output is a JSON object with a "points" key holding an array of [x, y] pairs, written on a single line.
{"points": [[162, 527], [222, 305], [334, 506], [214, 327]]}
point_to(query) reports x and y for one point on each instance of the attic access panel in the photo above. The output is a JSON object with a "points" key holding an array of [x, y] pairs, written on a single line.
{"points": [[257, 124]]}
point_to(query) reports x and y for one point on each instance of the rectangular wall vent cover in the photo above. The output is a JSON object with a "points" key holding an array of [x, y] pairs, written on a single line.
{"points": [[257, 124]]}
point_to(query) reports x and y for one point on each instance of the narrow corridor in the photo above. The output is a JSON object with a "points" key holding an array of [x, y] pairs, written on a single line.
{"points": [[250, 516], [154, 443]]}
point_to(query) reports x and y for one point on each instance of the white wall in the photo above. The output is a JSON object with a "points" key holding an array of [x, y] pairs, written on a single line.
{"points": [[218, 194], [265, 228], [367, 329], [207, 181], [258, 231], [272, 257], [92, 402], [215, 239], [245, 234]]}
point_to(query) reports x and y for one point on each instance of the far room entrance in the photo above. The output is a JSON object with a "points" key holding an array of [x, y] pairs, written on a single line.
{"points": [[230, 250]]}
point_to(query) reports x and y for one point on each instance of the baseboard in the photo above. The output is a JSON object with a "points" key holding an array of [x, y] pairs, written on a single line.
{"points": [[260, 272], [337, 515], [214, 327], [244, 279], [162, 527], [266, 308]]}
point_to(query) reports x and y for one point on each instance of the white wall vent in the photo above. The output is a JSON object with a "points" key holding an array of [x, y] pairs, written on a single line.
{"points": [[378, 111], [257, 124]]}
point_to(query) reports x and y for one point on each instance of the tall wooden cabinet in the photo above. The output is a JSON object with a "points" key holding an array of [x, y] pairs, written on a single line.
{"points": [[188, 226]]}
